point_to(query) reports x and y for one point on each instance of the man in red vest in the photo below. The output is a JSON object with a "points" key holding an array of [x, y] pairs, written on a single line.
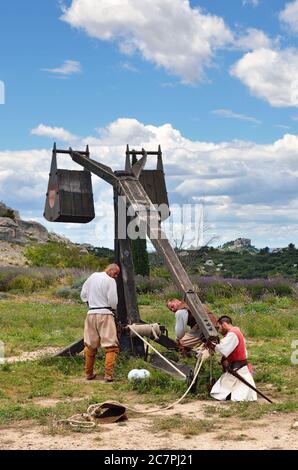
{"points": [[233, 349]]}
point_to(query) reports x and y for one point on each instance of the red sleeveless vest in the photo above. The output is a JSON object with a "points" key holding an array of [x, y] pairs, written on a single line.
{"points": [[239, 353]]}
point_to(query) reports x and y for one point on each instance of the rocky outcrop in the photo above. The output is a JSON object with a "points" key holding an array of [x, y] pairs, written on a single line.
{"points": [[16, 234], [6, 211], [240, 244], [34, 231], [10, 231], [15, 230]]}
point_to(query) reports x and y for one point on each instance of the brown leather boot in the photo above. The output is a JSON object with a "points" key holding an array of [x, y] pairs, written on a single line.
{"points": [[89, 362], [110, 360]]}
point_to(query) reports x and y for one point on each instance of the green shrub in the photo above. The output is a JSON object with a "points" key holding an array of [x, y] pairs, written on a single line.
{"points": [[61, 255], [144, 300], [172, 294], [69, 293], [27, 283], [22, 283], [63, 292], [160, 272], [5, 279], [78, 283], [214, 290], [283, 290], [256, 292], [30, 280], [9, 214]]}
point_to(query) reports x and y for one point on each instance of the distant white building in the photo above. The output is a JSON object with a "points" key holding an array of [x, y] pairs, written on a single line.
{"points": [[209, 262]]}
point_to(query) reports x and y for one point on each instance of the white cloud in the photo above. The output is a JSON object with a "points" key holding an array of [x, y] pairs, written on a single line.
{"points": [[253, 3], [57, 133], [289, 15], [129, 67], [249, 189], [169, 33], [227, 113], [253, 39], [270, 75], [69, 67], [169, 85], [283, 126], [125, 130]]}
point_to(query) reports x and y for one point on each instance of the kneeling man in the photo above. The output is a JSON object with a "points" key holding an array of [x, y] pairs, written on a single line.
{"points": [[233, 349], [188, 333]]}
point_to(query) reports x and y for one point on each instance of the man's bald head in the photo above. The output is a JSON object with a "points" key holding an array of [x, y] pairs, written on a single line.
{"points": [[113, 270]]}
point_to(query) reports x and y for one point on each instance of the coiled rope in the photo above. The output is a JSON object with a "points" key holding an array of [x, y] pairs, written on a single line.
{"points": [[88, 420]]}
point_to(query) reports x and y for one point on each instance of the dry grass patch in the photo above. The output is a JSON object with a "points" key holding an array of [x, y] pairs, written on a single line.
{"points": [[185, 426]]}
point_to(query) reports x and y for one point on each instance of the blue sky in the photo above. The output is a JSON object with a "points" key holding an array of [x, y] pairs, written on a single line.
{"points": [[213, 82]]}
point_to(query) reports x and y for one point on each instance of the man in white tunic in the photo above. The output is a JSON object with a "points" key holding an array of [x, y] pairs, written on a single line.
{"points": [[100, 293], [233, 349], [188, 333]]}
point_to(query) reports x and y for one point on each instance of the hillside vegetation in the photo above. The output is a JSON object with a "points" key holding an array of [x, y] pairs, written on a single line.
{"points": [[209, 261]]}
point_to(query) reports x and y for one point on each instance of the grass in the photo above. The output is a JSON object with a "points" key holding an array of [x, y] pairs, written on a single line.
{"points": [[181, 425], [30, 326], [250, 410], [270, 325]]}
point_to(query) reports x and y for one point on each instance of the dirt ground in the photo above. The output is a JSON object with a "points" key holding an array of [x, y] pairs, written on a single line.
{"points": [[31, 356], [275, 431]]}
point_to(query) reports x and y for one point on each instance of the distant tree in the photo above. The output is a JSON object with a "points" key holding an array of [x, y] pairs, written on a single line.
{"points": [[291, 247], [139, 250], [140, 256], [264, 251]]}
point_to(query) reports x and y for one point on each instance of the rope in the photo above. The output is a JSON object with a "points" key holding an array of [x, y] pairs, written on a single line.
{"points": [[204, 356], [151, 331], [157, 352], [87, 420]]}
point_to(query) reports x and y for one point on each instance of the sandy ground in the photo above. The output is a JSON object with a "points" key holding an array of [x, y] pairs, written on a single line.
{"points": [[275, 431], [31, 356]]}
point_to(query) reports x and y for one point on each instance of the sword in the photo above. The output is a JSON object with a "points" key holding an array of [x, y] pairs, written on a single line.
{"points": [[239, 377]]}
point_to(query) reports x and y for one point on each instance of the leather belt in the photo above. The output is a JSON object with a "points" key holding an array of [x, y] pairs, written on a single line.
{"points": [[236, 365], [100, 308]]}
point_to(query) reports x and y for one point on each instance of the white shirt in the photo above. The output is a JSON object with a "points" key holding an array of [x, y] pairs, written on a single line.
{"points": [[100, 290], [228, 384], [181, 322], [228, 344]]}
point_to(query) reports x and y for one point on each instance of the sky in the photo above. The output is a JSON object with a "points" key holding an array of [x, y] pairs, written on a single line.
{"points": [[214, 83]]}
